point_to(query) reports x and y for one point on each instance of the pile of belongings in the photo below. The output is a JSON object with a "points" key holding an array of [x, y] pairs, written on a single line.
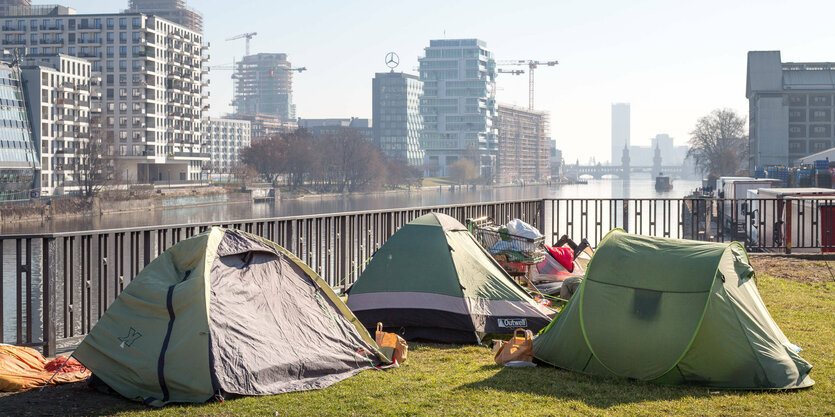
{"points": [[517, 242], [673, 312], [432, 281], [23, 368], [562, 269], [226, 312]]}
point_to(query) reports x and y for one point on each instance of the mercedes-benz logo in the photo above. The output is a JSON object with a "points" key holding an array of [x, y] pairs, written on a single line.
{"points": [[392, 60]]}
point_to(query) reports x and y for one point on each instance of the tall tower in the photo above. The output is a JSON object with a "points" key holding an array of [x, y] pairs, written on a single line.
{"points": [[264, 85], [13, 7], [174, 10], [624, 162], [396, 121], [620, 130]]}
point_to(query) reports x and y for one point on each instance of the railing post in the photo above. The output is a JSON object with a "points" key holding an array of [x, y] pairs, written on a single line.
{"points": [[541, 216], [788, 227], [50, 264], [146, 247], [626, 215]]}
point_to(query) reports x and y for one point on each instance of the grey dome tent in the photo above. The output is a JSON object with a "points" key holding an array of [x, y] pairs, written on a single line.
{"points": [[225, 312], [433, 281], [672, 312]]}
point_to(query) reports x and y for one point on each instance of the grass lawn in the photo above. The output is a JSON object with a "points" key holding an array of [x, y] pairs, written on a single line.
{"points": [[455, 380], [437, 181]]}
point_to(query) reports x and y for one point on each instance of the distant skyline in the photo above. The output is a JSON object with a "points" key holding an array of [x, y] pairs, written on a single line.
{"points": [[672, 61]]}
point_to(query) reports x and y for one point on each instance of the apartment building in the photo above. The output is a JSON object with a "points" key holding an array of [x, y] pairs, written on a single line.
{"points": [[18, 158], [64, 102], [264, 126], [8, 7], [152, 83], [176, 11], [523, 153], [458, 104], [226, 138]]}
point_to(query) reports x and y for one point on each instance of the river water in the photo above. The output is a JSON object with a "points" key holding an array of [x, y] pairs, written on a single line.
{"points": [[635, 188]]}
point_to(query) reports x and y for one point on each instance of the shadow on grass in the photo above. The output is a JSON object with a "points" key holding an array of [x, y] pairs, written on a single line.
{"points": [[64, 400], [597, 392]]}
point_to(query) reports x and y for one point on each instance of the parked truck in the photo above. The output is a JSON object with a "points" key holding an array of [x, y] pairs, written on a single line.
{"points": [[735, 192]]}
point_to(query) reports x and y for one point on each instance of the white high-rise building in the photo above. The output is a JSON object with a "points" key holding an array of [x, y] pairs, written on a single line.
{"points": [[620, 132], [152, 83], [458, 105], [226, 137], [63, 99]]}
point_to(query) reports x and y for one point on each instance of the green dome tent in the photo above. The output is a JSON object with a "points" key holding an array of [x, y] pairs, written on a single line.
{"points": [[225, 312], [672, 312], [433, 281]]}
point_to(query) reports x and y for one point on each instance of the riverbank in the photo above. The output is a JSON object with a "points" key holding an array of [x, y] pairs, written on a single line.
{"points": [[120, 202], [463, 380]]}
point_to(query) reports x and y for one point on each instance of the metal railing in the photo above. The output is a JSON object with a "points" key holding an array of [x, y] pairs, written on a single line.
{"points": [[763, 225], [56, 286]]}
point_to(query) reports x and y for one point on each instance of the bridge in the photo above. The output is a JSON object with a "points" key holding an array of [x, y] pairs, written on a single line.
{"points": [[598, 171]]}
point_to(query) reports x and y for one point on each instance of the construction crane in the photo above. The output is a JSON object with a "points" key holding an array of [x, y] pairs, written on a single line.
{"points": [[532, 65], [248, 37], [232, 67]]}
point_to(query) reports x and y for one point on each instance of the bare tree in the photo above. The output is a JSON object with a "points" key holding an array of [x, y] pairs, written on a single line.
{"points": [[92, 167], [719, 143], [355, 164], [265, 157], [463, 171]]}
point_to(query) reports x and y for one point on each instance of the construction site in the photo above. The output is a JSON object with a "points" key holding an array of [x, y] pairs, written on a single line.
{"points": [[523, 145]]}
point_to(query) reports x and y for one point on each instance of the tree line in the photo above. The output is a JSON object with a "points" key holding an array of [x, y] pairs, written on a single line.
{"points": [[343, 161]]}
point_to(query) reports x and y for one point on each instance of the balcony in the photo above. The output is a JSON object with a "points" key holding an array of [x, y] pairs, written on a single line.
{"points": [[14, 42]]}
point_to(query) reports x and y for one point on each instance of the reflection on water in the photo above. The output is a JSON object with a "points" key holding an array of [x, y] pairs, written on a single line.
{"points": [[635, 188]]}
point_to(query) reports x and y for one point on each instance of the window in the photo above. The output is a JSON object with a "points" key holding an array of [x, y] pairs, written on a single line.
{"points": [[123, 37], [136, 23], [110, 37], [110, 23], [123, 22]]}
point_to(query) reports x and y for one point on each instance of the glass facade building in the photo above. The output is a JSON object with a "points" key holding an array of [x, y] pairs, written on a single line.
{"points": [[18, 159], [397, 123], [458, 104]]}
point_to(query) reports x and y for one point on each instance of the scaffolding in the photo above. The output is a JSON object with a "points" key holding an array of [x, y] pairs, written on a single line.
{"points": [[522, 144], [176, 11], [264, 85]]}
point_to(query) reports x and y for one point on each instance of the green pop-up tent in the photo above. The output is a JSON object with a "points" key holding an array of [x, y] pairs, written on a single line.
{"points": [[673, 312], [433, 281], [225, 312]]}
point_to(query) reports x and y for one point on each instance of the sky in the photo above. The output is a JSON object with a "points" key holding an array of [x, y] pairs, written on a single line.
{"points": [[673, 61]]}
